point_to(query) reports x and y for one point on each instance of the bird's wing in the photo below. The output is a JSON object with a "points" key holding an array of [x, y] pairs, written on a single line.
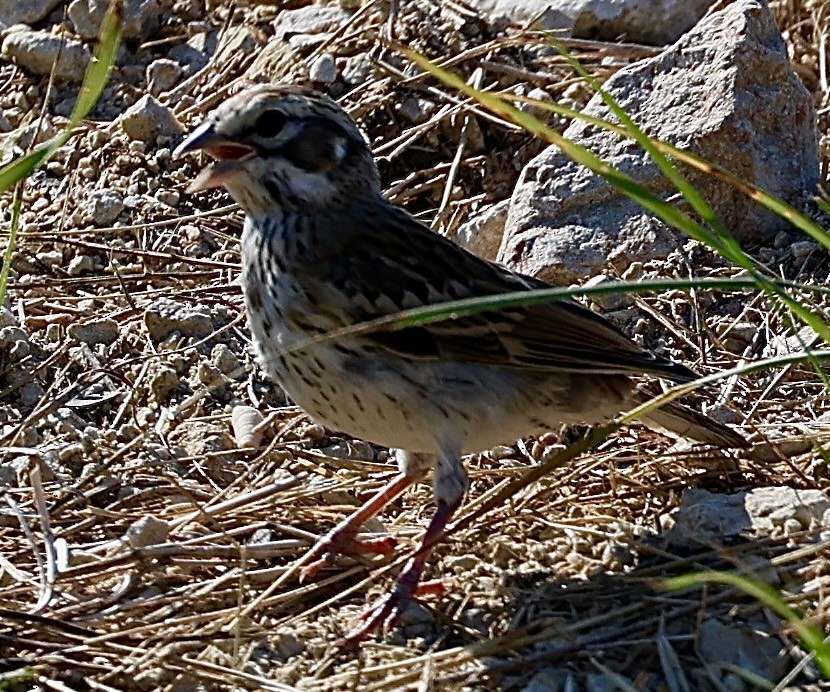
{"points": [[393, 263]]}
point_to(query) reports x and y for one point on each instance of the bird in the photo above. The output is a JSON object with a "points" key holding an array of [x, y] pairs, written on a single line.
{"points": [[323, 251]]}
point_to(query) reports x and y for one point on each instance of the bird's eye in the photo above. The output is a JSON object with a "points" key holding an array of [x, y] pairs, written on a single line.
{"points": [[269, 123]]}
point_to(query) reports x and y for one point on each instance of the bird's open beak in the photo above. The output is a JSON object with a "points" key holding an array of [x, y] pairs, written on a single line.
{"points": [[230, 156]]}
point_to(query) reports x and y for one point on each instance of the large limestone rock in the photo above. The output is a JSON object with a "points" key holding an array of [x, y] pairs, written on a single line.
{"points": [[655, 22], [724, 91]]}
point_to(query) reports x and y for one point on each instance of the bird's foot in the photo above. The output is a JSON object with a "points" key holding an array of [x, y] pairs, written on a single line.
{"points": [[382, 616], [342, 541]]}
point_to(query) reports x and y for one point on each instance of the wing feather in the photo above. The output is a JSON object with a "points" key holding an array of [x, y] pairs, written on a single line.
{"points": [[396, 263]]}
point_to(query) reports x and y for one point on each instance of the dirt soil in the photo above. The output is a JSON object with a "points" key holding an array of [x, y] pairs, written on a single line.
{"points": [[142, 549]]}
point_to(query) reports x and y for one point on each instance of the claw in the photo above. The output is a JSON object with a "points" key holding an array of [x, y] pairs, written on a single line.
{"points": [[379, 618], [342, 539], [382, 616], [331, 545]]}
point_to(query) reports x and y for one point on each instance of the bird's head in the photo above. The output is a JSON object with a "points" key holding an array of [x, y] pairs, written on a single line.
{"points": [[284, 148]]}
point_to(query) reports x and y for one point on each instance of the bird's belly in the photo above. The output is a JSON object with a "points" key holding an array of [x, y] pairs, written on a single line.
{"points": [[318, 383], [419, 406]]}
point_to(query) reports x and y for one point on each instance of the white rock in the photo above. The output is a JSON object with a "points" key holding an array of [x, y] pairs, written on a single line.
{"points": [[140, 17], [38, 51], [654, 22], [705, 517], [104, 206], [80, 265], [162, 75], [147, 120], [244, 420], [323, 70], [312, 19]]}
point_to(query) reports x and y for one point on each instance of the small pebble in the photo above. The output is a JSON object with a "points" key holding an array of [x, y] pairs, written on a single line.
{"points": [[104, 206], [147, 531], [148, 120], [80, 265], [101, 331], [799, 250], [162, 75], [323, 70], [245, 421]]}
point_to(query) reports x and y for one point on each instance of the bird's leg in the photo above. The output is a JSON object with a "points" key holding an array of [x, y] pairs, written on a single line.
{"points": [[450, 485], [342, 539]]}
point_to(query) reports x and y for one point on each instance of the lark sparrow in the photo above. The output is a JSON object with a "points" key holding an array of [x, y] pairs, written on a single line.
{"points": [[322, 250]]}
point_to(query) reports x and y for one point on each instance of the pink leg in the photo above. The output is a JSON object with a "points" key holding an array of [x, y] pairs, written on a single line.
{"points": [[342, 539], [384, 614]]}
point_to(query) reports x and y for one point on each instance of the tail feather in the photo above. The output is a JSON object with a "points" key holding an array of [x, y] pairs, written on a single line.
{"points": [[686, 422]]}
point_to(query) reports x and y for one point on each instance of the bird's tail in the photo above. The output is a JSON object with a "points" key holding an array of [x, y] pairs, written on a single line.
{"points": [[685, 422]]}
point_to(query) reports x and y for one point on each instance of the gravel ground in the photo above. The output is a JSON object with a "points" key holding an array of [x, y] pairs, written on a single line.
{"points": [[146, 541]]}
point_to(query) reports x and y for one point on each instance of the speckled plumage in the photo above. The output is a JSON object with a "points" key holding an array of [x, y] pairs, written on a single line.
{"points": [[323, 250]]}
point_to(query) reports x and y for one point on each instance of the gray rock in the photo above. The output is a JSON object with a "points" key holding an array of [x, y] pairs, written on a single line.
{"points": [[163, 382], [416, 110], [323, 70], [236, 41], [140, 17], [14, 345], [147, 120], [101, 331], [312, 19], [38, 51], [288, 644], [80, 265], [166, 316], [705, 518], [724, 91], [162, 75], [655, 22], [548, 680], [25, 11], [104, 206], [191, 56], [482, 233], [743, 647], [147, 531], [802, 248], [774, 506]]}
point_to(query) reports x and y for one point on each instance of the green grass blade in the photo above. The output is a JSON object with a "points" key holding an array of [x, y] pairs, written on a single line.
{"points": [[810, 637], [12, 173], [95, 80], [98, 72], [724, 244], [794, 216], [465, 307], [8, 255]]}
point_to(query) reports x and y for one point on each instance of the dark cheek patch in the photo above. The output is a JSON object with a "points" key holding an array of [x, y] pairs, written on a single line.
{"points": [[317, 148]]}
